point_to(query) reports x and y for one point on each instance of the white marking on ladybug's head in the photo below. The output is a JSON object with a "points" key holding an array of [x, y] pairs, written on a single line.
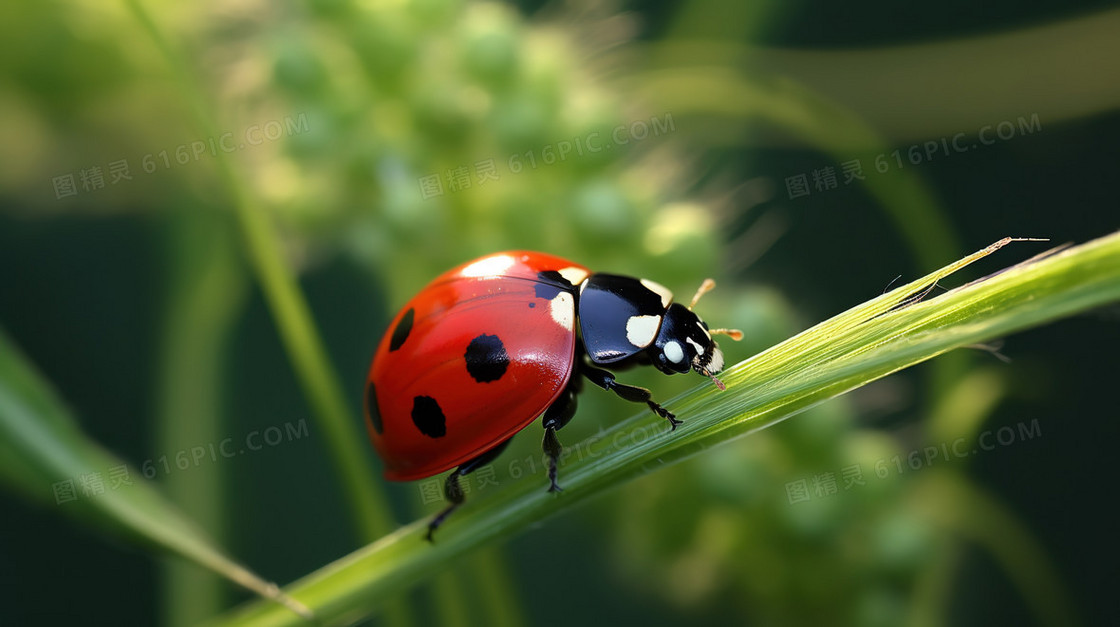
{"points": [[488, 266], [660, 290], [642, 330], [713, 365], [673, 352], [563, 310], [695, 345], [712, 368], [573, 274]]}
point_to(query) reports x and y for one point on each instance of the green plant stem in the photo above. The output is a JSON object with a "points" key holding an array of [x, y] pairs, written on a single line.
{"points": [[372, 516], [314, 370], [495, 587], [934, 587], [949, 499], [207, 288], [450, 593], [872, 340]]}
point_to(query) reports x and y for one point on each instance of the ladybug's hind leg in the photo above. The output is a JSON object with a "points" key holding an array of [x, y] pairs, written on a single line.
{"points": [[556, 416], [451, 488]]}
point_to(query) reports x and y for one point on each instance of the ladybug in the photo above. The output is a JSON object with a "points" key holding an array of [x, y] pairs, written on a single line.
{"points": [[490, 345]]}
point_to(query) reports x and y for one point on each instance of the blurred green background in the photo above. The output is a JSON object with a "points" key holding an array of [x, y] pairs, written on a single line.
{"points": [[165, 169]]}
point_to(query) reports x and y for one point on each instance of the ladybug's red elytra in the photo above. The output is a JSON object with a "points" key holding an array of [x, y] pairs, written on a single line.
{"points": [[490, 345]]}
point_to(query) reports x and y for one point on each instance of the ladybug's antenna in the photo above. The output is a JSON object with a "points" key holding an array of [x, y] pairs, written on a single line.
{"points": [[719, 384], [704, 288], [734, 334]]}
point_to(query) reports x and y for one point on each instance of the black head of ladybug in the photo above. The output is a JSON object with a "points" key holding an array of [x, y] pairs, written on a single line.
{"points": [[684, 343]]}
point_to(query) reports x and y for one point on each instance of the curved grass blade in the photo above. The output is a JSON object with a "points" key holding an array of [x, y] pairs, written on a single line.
{"points": [[44, 454]]}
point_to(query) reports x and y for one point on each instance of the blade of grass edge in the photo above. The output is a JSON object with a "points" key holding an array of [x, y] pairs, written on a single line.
{"points": [[861, 345], [41, 447]]}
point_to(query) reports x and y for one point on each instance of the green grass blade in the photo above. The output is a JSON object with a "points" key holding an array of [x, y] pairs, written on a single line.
{"points": [[872, 340], [44, 454]]}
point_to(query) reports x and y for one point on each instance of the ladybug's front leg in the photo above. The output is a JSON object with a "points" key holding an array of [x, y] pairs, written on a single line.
{"points": [[632, 393], [451, 487]]}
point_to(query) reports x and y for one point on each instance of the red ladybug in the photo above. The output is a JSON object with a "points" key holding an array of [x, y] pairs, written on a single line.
{"points": [[489, 346]]}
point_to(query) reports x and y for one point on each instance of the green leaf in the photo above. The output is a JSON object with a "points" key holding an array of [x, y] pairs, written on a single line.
{"points": [[888, 333], [45, 455]]}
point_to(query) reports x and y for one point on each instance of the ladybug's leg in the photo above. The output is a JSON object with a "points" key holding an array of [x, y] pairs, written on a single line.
{"points": [[633, 393], [451, 487], [556, 416]]}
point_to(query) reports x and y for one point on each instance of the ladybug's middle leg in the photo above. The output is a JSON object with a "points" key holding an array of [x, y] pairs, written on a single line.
{"points": [[556, 416], [451, 487]]}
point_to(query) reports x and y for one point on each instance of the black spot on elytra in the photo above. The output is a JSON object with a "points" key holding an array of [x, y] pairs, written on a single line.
{"points": [[372, 410], [428, 417], [404, 327], [532, 305], [487, 358]]}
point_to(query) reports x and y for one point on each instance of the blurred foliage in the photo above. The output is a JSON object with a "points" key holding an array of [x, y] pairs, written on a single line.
{"points": [[368, 100], [401, 137]]}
